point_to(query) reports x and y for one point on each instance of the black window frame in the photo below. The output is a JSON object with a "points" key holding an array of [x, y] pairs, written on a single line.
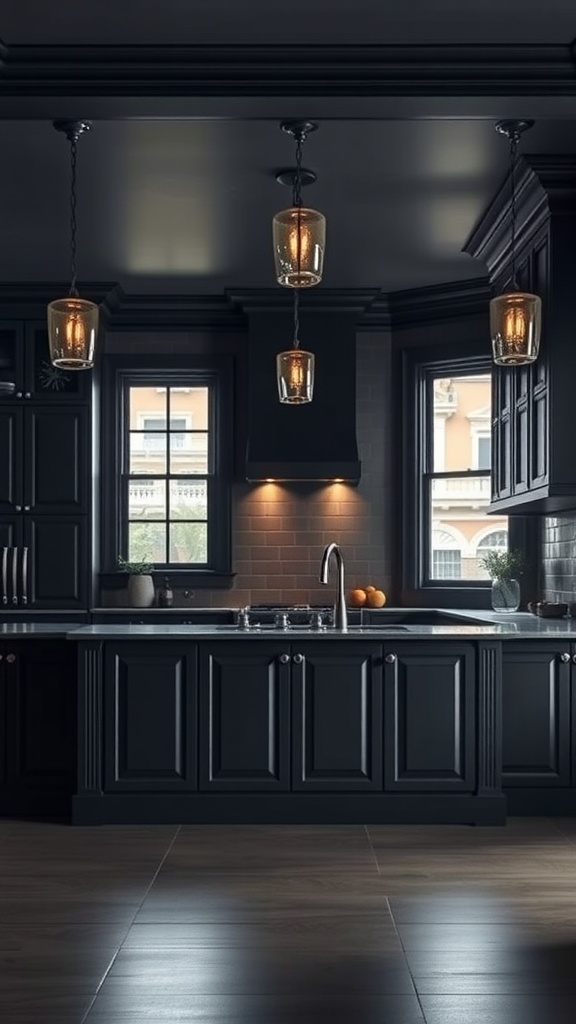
{"points": [[416, 365], [121, 372]]}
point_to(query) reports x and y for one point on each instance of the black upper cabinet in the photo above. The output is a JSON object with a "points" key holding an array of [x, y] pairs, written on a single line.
{"points": [[533, 468], [25, 361]]}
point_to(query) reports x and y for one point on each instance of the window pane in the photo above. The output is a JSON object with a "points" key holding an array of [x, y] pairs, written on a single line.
{"points": [[459, 524], [188, 499], [147, 499], [484, 453], [146, 401], [147, 542], [189, 542], [194, 400], [461, 415], [147, 452], [496, 540], [189, 453]]}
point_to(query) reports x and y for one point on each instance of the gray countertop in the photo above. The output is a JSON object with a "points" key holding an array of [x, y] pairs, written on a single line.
{"points": [[37, 630], [516, 625]]}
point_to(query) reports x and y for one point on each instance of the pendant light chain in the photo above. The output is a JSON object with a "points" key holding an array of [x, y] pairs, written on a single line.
{"points": [[297, 190], [296, 342], [514, 140], [73, 224]]}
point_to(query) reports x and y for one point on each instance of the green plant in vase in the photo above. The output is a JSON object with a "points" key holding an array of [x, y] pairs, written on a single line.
{"points": [[504, 567], [140, 583]]}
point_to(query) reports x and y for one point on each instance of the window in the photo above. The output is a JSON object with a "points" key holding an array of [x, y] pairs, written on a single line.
{"points": [[446, 486], [169, 474]]}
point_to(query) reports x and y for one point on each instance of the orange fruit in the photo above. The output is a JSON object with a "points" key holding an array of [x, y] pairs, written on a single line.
{"points": [[376, 599], [370, 589], [357, 597]]}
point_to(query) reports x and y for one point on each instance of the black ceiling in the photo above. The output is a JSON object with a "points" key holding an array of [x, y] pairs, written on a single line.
{"points": [[176, 179]]}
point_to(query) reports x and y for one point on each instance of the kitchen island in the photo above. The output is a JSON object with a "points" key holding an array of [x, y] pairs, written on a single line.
{"points": [[381, 723]]}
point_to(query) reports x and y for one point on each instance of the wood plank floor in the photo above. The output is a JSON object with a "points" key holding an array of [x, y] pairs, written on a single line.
{"points": [[278, 925]]}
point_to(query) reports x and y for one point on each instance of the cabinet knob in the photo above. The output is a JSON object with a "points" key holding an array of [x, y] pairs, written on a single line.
{"points": [[10, 658], [18, 394], [26, 508], [298, 659], [390, 658], [1, 657], [18, 508], [565, 657], [574, 659], [27, 395], [284, 659]]}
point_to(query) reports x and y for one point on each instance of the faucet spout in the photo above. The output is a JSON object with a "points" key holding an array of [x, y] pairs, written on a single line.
{"points": [[340, 612]]}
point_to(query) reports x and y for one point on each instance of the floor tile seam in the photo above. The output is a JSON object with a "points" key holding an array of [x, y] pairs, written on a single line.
{"points": [[406, 959], [129, 924], [373, 851]]}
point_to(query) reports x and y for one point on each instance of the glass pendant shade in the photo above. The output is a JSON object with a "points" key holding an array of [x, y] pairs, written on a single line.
{"points": [[515, 324], [295, 373], [299, 237], [72, 330]]}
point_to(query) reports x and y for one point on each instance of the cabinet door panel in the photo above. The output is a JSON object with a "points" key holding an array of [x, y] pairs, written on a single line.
{"points": [[336, 718], [56, 460], [150, 714], [429, 696], [57, 561], [535, 716], [42, 686], [244, 718], [11, 459]]}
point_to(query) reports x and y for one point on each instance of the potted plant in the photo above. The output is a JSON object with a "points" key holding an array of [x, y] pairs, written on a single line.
{"points": [[140, 583], [504, 567]]}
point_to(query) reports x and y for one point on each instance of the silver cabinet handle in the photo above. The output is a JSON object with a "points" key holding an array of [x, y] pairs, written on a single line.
{"points": [[574, 659], [565, 657], [284, 659], [26, 508], [18, 508], [27, 395], [18, 394], [10, 658], [298, 659], [24, 575], [1, 657], [4, 575], [15, 575], [390, 658]]}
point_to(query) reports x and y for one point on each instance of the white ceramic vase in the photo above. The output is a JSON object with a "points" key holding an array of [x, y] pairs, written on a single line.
{"points": [[140, 591]]}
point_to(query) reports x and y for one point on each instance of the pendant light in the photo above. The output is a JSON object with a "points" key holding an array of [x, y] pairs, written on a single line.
{"points": [[516, 316], [295, 368], [72, 321], [299, 233]]}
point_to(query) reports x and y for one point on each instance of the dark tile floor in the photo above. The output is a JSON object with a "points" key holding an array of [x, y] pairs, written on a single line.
{"points": [[278, 925]]}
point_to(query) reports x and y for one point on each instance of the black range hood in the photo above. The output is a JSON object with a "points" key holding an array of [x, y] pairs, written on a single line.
{"points": [[315, 441]]}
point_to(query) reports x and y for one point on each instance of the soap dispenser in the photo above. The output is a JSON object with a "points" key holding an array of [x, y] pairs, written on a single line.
{"points": [[165, 595]]}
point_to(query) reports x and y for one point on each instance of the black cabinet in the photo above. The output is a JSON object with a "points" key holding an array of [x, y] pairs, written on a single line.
{"points": [[536, 728], [45, 480], [245, 717], [430, 697], [150, 699], [533, 469], [336, 717], [38, 681], [25, 362]]}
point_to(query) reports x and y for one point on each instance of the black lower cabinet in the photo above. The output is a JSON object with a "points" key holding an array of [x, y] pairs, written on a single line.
{"points": [[537, 734], [38, 684], [244, 734], [150, 698], [286, 730], [430, 697], [336, 716]]}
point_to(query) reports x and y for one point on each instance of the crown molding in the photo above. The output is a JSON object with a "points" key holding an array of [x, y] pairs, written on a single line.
{"points": [[24, 299], [315, 300], [445, 302], [288, 70], [170, 312], [544, 185]]}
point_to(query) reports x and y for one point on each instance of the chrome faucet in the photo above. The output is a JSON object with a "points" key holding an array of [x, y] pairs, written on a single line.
{"points": [[340, 613]]}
